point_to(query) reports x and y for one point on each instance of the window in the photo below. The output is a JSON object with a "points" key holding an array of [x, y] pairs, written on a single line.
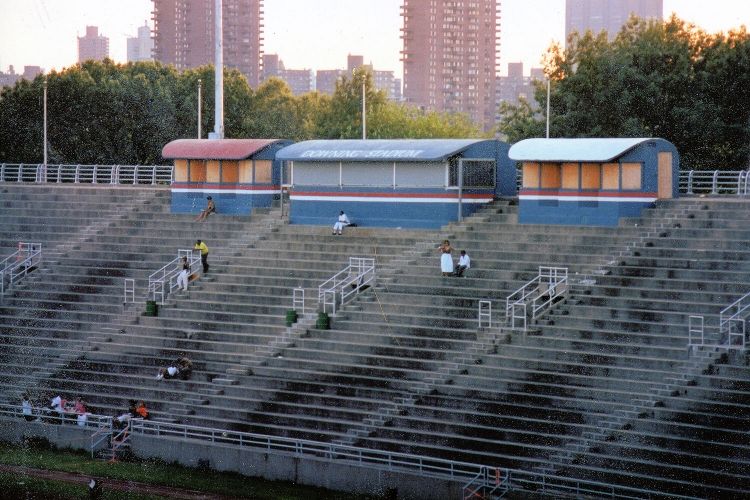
{"points": [[367, 174], [420, 174], [311, 173]]}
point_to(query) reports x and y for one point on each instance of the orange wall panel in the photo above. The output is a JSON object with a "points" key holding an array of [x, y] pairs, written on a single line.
{"points": [[229, 172], [197, 171], [212, 171], [611, 176], [246, 172], [551, 176], [180, 170], [631, 176], [591, 176], [570, 176], [531, 175], [263, 171]]}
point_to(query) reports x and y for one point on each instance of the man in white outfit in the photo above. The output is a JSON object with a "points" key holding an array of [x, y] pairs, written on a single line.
{"points": [[343, 221], [464, 263]]}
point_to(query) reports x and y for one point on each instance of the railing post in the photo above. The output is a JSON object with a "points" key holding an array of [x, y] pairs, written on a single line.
{"points": [[714, 182]]}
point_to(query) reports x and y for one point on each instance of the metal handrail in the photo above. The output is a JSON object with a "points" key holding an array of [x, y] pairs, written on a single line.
{"points": [[542, 290], [741, 305], [87, 174], [298, 299], [484, 314], [347, 282], [727, 182], [696, 331], [164, 280], [17, 265]]}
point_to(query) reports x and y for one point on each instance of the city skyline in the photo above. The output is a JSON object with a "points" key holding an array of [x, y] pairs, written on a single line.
{"points": [[44, 32]]}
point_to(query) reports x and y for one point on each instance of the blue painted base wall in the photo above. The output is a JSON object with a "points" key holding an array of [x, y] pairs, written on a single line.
{"points": [[226, 203], [577, 213], [379, 214]]}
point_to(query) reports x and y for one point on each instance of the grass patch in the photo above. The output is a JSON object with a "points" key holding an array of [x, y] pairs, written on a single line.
{"points": [[156, 472]]}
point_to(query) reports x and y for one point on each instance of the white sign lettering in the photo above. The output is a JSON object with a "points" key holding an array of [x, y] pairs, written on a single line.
{"points": [[357, 153]]}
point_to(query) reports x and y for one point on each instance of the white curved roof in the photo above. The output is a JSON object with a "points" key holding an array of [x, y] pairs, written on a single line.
{"points": [[584, 149]]}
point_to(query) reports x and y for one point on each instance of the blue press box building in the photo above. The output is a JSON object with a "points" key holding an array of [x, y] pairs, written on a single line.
{"points": [[593, 181], [425, 183]]}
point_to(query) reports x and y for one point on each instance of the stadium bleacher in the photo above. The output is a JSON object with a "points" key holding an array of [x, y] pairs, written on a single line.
{"points": [[600, 388]]}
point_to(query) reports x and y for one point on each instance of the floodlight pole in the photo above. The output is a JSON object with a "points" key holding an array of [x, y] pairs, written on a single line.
{"points": [[200, 89], [45, 122], [219, 69]]}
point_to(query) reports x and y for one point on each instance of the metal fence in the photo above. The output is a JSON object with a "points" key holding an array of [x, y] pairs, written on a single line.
{"points": [[87, 174]]}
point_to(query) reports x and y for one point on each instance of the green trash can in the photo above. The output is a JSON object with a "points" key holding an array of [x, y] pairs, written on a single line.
{"points": [[291, 317], [323, 322], [152, 308]]}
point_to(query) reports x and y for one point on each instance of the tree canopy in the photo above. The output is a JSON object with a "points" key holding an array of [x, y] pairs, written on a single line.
{"points": [[665, 79], [100, 112]]}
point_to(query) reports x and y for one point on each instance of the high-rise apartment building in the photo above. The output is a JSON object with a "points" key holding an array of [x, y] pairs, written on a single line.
{"points": [[92, 45], [450, 56], [608, 15], [141, 48], [298, 80], [184, 34]]}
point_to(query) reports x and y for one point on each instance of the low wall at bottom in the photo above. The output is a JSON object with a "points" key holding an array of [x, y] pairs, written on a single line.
{"points": [[68, 435], [302, 470]]}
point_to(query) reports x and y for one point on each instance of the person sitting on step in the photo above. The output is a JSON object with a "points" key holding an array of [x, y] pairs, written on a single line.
{"points": [[343, 221]]}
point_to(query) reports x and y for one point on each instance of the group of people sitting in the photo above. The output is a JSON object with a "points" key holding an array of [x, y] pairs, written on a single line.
{"points": [[61, 410], [182, 368]]}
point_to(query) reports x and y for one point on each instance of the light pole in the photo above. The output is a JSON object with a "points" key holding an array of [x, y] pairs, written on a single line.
{"points": [[364, 106], [548, 86], [45, 123], [200, 88], [364, 111]]}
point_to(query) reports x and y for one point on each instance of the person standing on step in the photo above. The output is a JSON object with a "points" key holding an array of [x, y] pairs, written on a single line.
{"points": [[26, 408], [343, 221], [446, 260], [182, 278], [200, 245], [464, 263], [210, 209]]}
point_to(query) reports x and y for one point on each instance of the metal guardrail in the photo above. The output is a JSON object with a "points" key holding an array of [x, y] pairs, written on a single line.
{"points": [[715, 182], [350, 281], [87, 174], [540, 292], [163, 281]]}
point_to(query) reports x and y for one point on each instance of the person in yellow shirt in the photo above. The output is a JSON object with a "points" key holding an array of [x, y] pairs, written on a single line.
{"points": [[200, 245]]}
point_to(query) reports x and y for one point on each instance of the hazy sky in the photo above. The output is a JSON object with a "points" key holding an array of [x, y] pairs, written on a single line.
{"points": [[315, 34]]}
